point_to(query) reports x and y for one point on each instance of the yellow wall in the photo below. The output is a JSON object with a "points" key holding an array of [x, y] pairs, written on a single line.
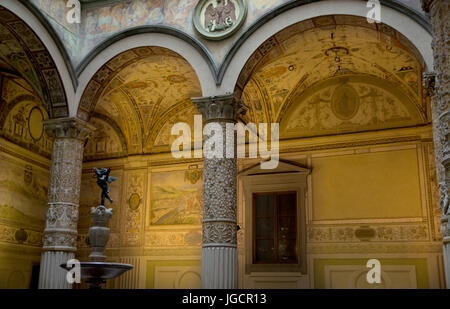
{"points": [[372, 185], [23, 193], [387, 188], [335, 273]]}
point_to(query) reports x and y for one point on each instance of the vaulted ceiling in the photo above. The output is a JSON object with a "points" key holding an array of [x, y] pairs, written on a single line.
{"points": [[327, 75], [23, 53], [140, 92], [30, 87], [343, 59]]}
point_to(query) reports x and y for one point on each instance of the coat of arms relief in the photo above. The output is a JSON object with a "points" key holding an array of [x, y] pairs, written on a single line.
{"points": [[218, 19]]}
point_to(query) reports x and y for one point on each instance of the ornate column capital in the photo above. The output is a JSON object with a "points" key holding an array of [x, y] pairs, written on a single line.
{"points": [[68, 128], [219, 108]]}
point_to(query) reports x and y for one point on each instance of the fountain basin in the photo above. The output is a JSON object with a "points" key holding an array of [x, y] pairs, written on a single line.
{"points": [[96, 273]]}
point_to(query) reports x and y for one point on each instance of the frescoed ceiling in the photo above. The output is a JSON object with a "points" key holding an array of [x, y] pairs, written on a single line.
{"points": [[23, 52], [30, 86], [103, 19], [138, 93], [372, 73], [327, 75], [22, 114]]}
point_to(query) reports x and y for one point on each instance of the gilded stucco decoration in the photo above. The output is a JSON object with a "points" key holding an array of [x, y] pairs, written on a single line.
{"points": [[168, 239], [26, 54], [380, 233], [134, 201], [139, 90], [327, 48], [131, 233], [107, 141], [347, 104], [161, 138], [22, 117]]}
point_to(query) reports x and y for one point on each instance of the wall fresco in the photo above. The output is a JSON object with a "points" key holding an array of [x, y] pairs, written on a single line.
{"points": [[23, 194], [55, 11], [346, 104], [176, 198]]}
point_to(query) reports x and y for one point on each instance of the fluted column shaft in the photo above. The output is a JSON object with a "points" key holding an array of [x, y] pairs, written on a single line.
{"points": [[438, 86], [60, 234], [219, 243]]}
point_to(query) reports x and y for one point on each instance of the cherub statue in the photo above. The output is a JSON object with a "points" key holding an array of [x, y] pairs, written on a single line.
{"points": [[103, 179]]}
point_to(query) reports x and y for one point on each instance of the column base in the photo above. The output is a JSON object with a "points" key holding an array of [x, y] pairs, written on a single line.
{"points": [[219, 268], [51, 275]]}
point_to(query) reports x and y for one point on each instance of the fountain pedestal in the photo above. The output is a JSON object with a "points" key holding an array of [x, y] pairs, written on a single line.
{"points": [[97, 271], [95, 274]]}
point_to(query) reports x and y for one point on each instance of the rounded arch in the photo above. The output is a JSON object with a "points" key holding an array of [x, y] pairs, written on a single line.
{"points": [[158, 36], [64, 77], [138, 88], [404, 20]]}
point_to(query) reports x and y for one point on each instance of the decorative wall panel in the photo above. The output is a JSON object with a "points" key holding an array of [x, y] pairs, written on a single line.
{"points": [[176, 197]]}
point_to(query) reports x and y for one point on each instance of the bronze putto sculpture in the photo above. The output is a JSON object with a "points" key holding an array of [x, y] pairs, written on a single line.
{"points": [[103, 181]]}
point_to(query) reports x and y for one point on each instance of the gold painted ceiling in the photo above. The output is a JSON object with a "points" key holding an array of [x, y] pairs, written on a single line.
{"points": [[22, 51], [383, 70], [141, 91], [327, 75], [30, 86], [22, 114]]}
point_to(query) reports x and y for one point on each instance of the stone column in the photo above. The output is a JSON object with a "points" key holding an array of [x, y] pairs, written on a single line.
{"points": [[219, 243], [60, 234], [438, 86]]}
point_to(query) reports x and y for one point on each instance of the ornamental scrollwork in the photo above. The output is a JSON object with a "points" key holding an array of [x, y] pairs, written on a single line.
{"points": [[219, 233]]}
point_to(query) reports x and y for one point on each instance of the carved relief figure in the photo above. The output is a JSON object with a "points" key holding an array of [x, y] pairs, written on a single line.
{"points": [[221, 16]]}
